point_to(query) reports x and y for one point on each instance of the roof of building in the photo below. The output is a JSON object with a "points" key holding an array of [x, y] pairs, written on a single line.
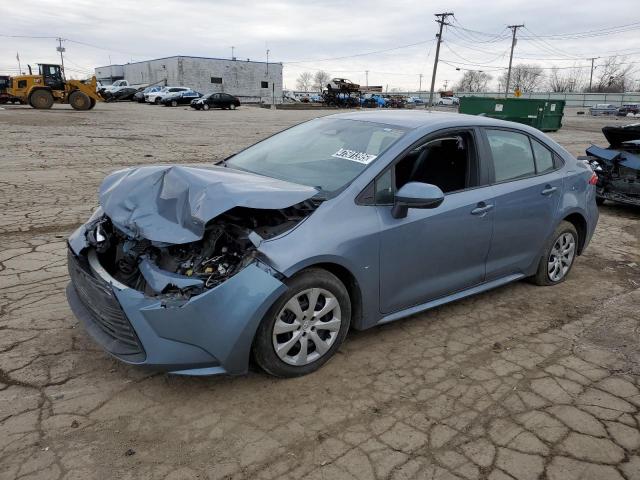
{"points": [[188, 56]]}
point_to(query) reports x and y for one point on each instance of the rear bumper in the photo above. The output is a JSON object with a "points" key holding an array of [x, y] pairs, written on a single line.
{"points": [[208, 334]]}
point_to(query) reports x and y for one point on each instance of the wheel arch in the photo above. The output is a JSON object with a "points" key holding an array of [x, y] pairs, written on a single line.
{"points": [[38, 88], [350, 282], [579, 221]]}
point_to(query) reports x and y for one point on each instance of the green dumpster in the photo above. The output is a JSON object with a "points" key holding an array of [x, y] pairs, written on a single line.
{"points": [[545, 115]]}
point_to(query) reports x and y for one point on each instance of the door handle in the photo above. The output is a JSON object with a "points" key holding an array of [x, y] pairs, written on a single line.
{"points": [[481, 209], [548, 190]]}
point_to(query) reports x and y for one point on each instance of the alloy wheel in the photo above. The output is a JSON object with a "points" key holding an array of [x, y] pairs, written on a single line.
{"points": [[561, 257], [307, 326]]}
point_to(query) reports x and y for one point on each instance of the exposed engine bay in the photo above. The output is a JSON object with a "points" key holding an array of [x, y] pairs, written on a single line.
{"points": [[228, 245]]}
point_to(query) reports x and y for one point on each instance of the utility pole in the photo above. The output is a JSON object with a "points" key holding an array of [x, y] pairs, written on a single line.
{"points": [[442, 20], [366, 74], [61, 49], [446, 82], [232, 52], [267, 63], [19, 65], [420, 85], [514, 29], [591, 75]]}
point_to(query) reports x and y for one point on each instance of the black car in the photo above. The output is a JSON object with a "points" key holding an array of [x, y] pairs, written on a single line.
{"points": [[216, 100], [180, 98]]}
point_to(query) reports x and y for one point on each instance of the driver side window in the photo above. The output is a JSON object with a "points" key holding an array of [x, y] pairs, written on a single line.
{"points": [[448, 161]]}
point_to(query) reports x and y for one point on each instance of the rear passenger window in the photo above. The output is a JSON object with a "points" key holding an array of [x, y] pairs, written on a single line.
{"points": [[544, 157], [512, 155]]}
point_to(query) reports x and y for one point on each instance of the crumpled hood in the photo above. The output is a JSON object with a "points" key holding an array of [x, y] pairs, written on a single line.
{"points": [[172, 204]]}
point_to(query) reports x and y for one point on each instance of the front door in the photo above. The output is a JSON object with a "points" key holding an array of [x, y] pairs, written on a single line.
{"points": [[436, 252]]}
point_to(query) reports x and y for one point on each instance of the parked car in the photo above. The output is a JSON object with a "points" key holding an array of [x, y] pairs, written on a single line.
{"points": [[448, 101], [139, 97], [216, 100], [349, 220], [603, 109], [415, 101], [372, 100], [628, 108], [156, 97], [180, 98]]}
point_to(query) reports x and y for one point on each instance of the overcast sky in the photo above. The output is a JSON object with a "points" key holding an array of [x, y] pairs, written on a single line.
{"points": [[310, 32]]}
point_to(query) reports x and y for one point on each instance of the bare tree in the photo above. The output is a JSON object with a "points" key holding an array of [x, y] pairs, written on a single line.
{"points": [[473, 81], [321, 79], [304, 81], [613, 75], [569, 80], [527, 77]]}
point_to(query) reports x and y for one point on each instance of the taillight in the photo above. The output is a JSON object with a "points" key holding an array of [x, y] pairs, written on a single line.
{"points": [[594, 179]]}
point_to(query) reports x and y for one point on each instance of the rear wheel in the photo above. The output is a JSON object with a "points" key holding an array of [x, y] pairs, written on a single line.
{"points": [[80, 100], [93, 103], [41, 99], [305, 327], [174, 103], [559, 255]]}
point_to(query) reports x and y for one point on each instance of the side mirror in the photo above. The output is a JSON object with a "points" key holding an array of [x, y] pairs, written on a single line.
{"points": [[416, 195]]}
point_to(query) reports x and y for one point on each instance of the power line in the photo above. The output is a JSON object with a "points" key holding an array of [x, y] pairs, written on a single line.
{"points": [[359, 54]]}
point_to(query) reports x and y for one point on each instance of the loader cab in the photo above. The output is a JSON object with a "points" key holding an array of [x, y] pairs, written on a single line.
{"points": [[52, 75]]}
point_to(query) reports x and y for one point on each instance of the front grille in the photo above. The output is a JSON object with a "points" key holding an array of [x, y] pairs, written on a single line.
{"points": [[104, 310]]}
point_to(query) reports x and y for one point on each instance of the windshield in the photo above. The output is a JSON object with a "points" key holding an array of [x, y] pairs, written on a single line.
{"points": [[325, 153]]}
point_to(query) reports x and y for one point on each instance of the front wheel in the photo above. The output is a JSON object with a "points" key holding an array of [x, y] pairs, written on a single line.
{"points": [[305, 327], [232, 106], [80, 100], [174, 103], [558, 257], [205, 106]]}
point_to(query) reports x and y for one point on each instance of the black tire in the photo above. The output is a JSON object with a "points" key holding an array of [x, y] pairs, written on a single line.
{"points": [[174, 103], [263, 348], [232, 106], [205, 106], [41, 99], [157, 101], [93, 103], [80, 100], [542, 277]]}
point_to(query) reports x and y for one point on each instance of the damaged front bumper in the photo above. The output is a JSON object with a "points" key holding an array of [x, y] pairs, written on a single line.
{"points": [[208, 334]]}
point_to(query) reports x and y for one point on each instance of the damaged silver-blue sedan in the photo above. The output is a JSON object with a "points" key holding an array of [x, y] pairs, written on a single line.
{"points": [[346, 221]]}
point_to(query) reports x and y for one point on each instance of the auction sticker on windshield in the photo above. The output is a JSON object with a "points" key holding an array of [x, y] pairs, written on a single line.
{"points": [[360, 157]]}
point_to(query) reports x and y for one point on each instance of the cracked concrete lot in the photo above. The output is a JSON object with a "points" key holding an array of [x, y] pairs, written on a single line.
{"points": [[523, 382]]}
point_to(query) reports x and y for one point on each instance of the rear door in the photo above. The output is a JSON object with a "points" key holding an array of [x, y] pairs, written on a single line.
{"points": [[527, 186]]}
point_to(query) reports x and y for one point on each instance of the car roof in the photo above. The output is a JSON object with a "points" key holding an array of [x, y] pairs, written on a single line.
{"points": [[413, 119]]}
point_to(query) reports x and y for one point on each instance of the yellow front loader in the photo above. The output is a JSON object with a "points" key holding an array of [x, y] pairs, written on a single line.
{"points": [[48, 87]]}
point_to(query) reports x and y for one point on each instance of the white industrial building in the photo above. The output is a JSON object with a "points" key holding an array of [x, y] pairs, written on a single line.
{"points": [[248, 80]]}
